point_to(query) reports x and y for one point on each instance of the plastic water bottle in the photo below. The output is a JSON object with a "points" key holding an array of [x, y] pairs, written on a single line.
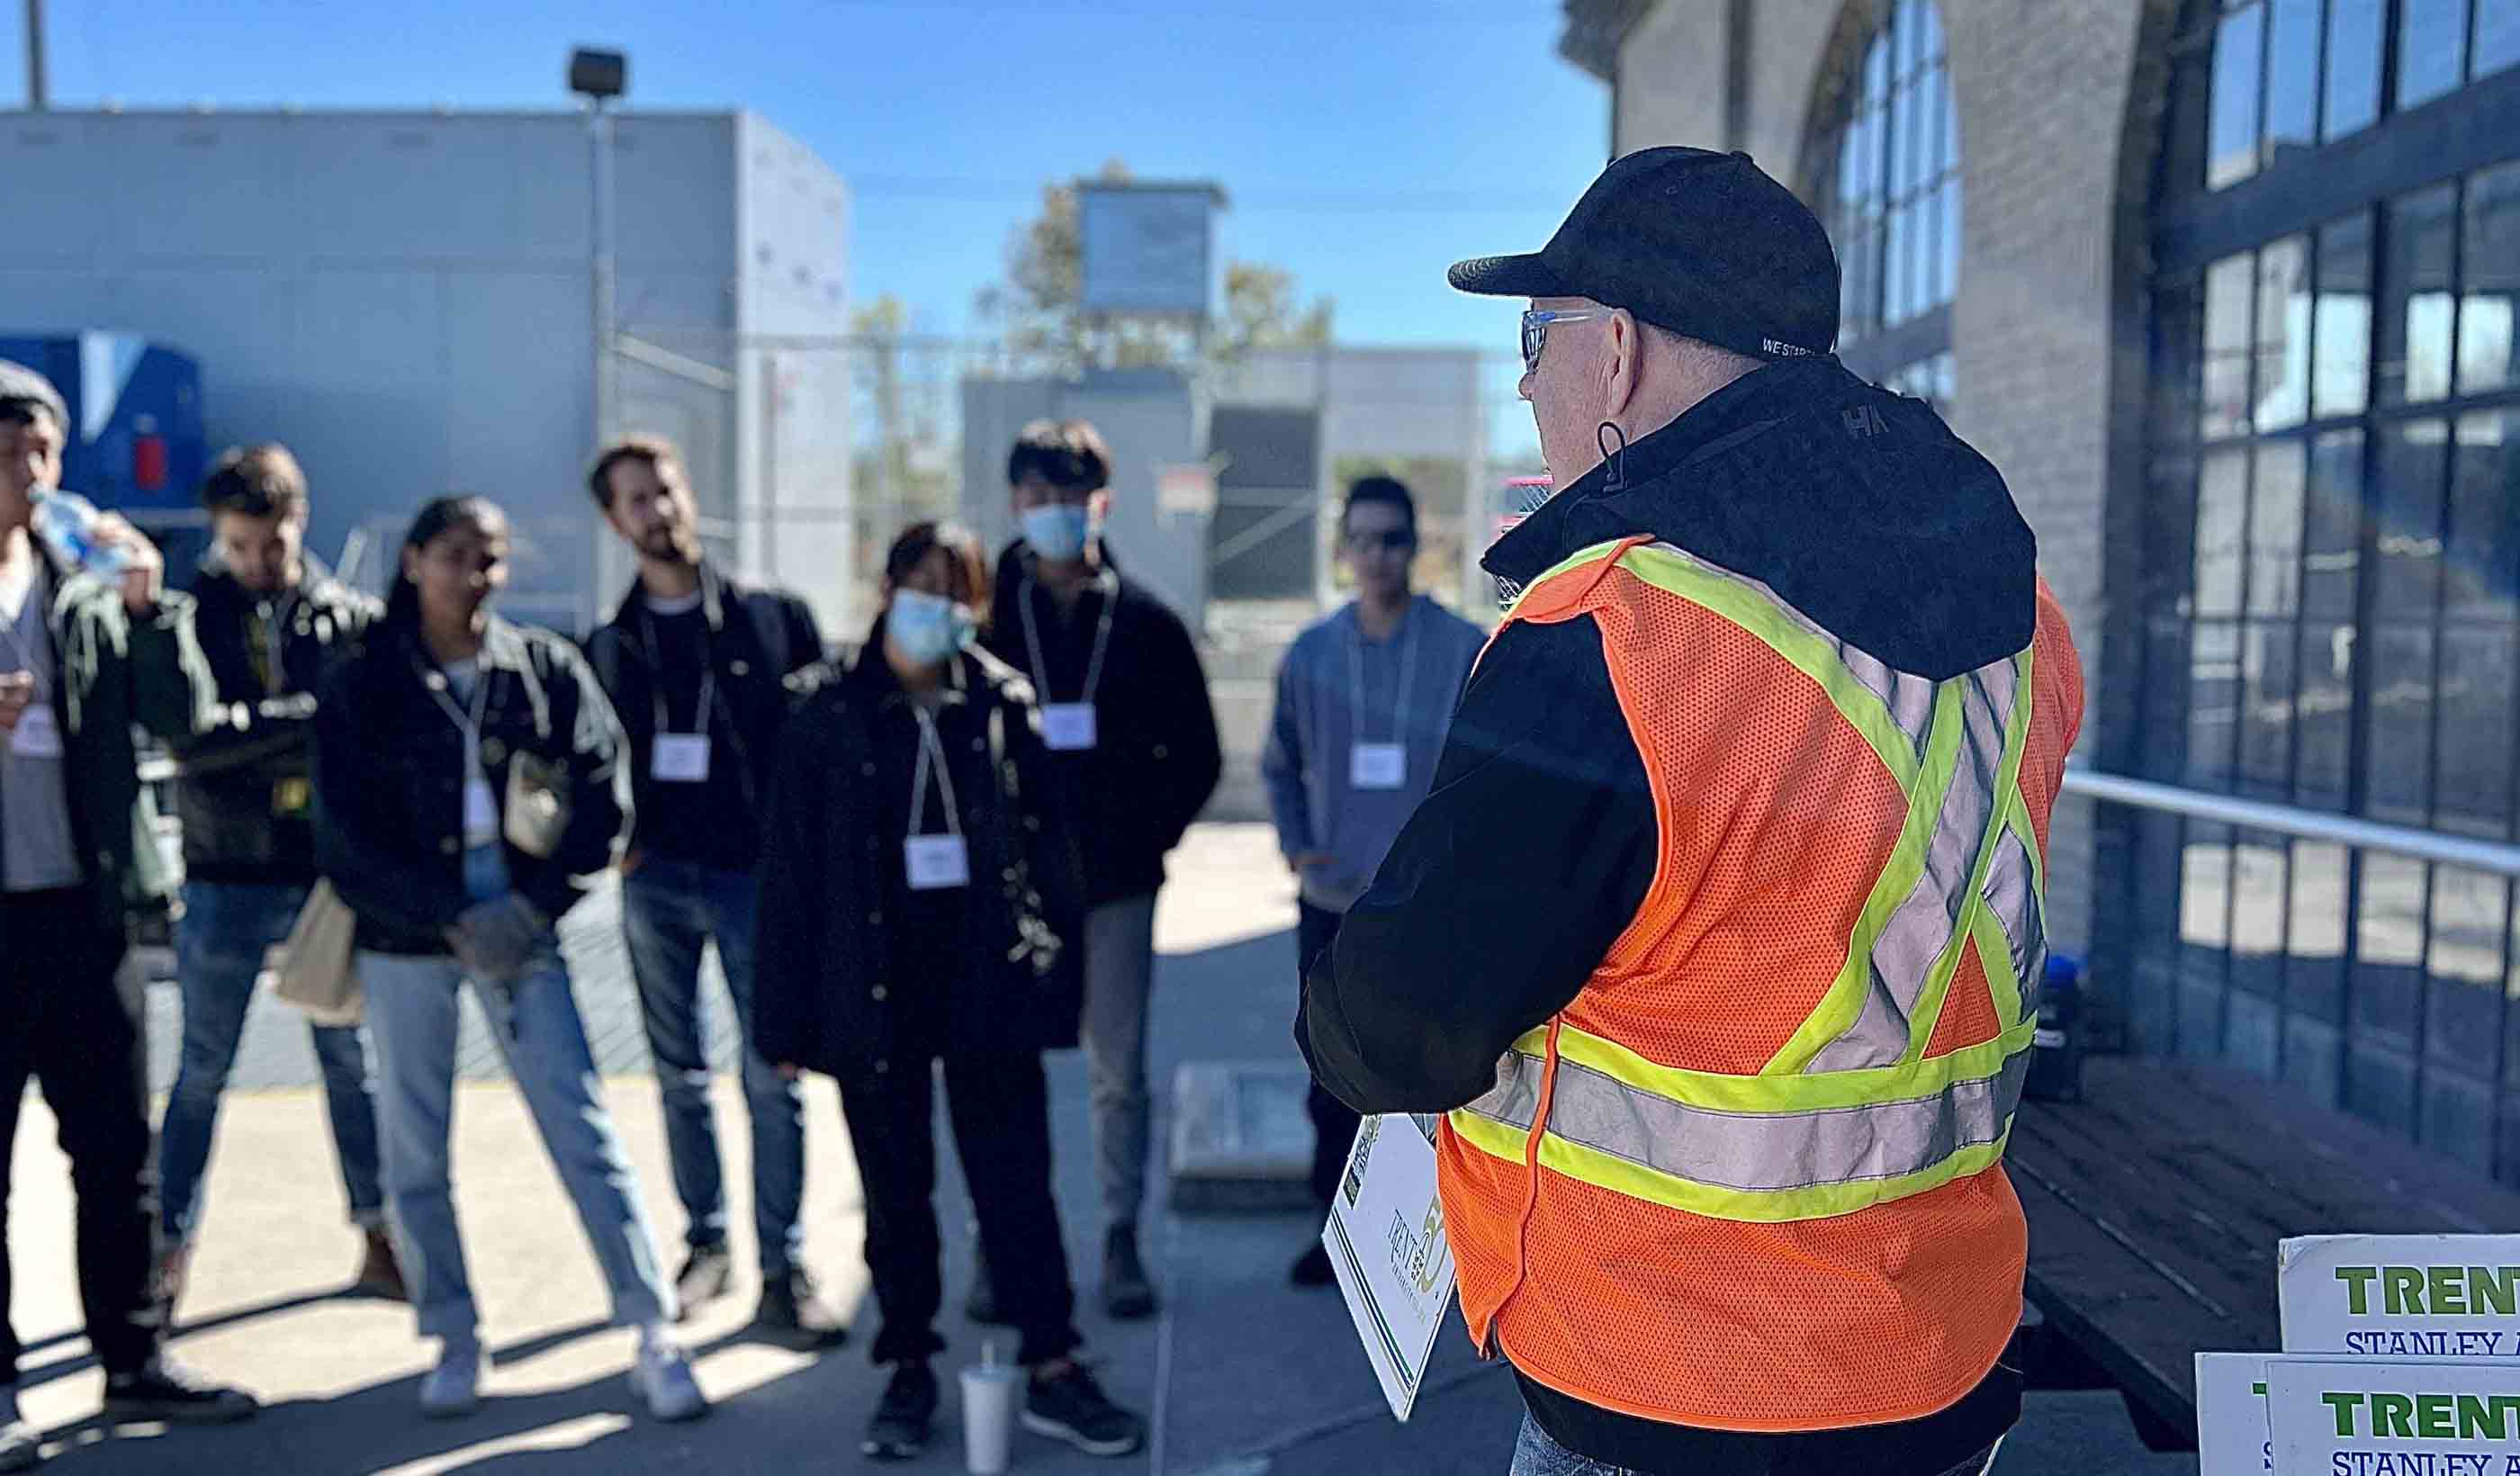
{"points": [[66, 524]]}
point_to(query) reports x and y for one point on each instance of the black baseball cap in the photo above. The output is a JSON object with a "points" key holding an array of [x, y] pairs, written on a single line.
{"points": [[1702, 243]]}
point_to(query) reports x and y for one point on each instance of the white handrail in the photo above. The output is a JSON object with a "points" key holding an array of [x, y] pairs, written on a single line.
{"points": [[2491, 856]]}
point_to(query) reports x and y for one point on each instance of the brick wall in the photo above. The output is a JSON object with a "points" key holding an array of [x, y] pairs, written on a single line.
{"points": [[2052, 239]]}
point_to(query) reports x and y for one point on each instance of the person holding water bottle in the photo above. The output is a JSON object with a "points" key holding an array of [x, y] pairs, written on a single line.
{"points": [[90, 645], [920, 904], [467, 771]]}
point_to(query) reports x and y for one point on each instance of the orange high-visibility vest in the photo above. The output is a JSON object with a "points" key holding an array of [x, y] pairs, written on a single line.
{"points": [[1749, 1179]]}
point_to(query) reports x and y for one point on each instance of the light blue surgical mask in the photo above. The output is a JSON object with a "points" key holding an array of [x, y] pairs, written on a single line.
{"points": [[1059, 531], [929, 628]]}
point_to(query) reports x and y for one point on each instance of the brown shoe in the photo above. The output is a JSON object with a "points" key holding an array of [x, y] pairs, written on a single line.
{"points": [[380, 1272]]}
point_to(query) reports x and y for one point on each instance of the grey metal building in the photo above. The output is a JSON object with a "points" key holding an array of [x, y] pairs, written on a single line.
{"points": [[406, 299]]}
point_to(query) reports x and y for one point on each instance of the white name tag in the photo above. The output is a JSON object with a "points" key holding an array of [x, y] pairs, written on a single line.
{"points": [[1068, 727], [38, 735], [1378, 765], [935, 862], [681, 758], [480, 813]]}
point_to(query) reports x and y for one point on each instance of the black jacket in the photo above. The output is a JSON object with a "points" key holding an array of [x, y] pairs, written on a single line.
{"points": [[389, 778], [827, 994], [115, 674], [1534, 851], [1156, 759], [244, 790], [756, 639]]}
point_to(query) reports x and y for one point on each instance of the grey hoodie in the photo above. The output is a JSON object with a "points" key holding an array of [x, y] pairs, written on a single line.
{"points": [[1307, 763]]}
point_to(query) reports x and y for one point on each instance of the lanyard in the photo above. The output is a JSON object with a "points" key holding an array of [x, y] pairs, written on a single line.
{"points": [[468, 725], [932, 754], [701, 712], [1107, 587], [1408, 676], [270, 616]]}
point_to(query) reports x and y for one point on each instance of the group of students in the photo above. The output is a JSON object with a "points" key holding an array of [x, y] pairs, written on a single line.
{"points": [[941, 848]]}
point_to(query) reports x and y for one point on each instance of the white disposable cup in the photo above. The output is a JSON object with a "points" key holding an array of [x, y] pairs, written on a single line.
{"points": [[989, 1394]]}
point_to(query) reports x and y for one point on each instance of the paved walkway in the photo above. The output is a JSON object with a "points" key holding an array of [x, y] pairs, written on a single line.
{"points": [[1239, 1377]]}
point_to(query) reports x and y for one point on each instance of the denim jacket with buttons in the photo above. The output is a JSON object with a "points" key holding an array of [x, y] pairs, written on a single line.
{"points": [[389, 778]]}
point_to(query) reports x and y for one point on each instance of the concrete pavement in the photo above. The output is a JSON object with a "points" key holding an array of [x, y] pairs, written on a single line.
{"points": [[1240, 1376]]}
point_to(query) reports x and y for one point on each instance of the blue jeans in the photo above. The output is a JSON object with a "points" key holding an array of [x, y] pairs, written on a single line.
{"points": [[412, 1008], [1536, 1455], [669, 909], [220, 941]]}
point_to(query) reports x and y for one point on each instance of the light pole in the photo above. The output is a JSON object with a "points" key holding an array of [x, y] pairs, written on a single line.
{"points": [[37, 93], [600, 77]]}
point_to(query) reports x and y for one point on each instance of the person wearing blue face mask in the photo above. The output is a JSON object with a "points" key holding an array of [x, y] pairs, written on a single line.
{"points": [[1126, 715], [920, 906]]}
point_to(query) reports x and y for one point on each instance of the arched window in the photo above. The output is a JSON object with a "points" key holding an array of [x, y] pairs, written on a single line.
{"points": [[1889, 184], [2329, 573]]}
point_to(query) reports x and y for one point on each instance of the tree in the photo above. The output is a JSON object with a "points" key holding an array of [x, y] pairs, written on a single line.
{"points": [[1037, 311]]}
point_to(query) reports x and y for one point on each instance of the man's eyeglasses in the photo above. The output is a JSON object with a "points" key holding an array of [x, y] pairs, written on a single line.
{"points": [[1535, 330], [1390, 540]]}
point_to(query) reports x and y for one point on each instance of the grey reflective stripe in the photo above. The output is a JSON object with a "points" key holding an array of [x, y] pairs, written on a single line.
{"points": [[1924, 926], [1514, 1099], [2016, 905], [1759, 1151]]}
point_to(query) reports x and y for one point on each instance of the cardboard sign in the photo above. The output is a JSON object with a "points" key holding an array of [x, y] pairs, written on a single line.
{"points": [[2393, 1417], [2233, 1437], [2402, 1296], [1387, 1246]]}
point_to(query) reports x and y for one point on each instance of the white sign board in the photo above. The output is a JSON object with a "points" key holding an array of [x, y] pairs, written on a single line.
{"points": [[1146, 248], [2393, 1417], [2402, 1296], [1386, 1241], [2232, 1436]]}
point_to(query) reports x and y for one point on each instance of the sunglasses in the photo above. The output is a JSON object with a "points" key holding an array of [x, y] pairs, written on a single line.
{"points": [[1393, 540], [1535, 330]]}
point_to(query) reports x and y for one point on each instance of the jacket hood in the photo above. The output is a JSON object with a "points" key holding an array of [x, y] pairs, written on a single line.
{"points": [[1858, 507]]}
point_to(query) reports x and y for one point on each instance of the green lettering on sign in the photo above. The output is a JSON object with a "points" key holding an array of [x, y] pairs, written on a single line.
{"points": [[2393, 1415], [2480, 1420], [2405, 1286], [2344, 1405], [2494, 1289], [2448, 1283], [2357, 1287], [2432, 1417]]}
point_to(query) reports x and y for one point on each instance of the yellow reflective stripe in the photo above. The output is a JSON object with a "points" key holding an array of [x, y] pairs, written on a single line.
{"points": [[1732, 1091], [1567, 565], [1674, 572], [1762, 1206], [1837, 1010], [1995, 950], [2007, 781], [1489, 1136]]}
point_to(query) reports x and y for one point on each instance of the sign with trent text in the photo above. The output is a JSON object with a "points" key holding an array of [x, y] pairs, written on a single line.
{"points": [[2393, 1417], [2232, 1436], [1386, 1241], [2402, 1296]]}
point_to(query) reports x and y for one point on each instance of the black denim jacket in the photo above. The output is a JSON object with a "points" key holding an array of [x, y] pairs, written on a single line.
{"points": [[389, 778]]}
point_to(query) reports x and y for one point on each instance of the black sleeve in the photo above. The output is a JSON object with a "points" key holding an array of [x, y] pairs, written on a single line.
{"points": [[804, 637], [785, 974], [377, 883], [598, 790], [1503, 891], [1186, 720]]}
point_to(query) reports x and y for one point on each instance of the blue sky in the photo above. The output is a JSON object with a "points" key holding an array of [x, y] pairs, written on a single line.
{"points": [[1365, 144]]}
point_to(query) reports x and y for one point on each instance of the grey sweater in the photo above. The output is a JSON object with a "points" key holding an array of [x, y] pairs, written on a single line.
{"points": [[1311, 735]]}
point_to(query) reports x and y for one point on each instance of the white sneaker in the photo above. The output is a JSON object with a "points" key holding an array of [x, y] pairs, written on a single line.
{"points": [[454, 1387], [663, 1379]]}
